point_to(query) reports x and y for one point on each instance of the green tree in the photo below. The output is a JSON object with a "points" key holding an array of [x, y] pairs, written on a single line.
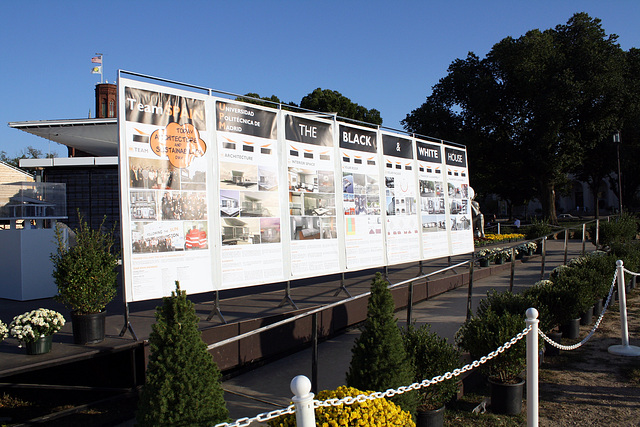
{"points": [[183, 382], [331, 101], [379, 361], [26, 153], [540, 102]]}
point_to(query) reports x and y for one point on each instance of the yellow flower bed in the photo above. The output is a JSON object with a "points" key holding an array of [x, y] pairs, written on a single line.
{"points": [[373, 413], [502, 237]]}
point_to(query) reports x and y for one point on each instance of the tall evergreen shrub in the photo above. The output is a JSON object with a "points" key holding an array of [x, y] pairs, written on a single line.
{"points": [[379, 361], [183, 382]]}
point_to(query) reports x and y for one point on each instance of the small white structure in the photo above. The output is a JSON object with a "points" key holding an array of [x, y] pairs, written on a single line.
{"points": [[31, 209]]}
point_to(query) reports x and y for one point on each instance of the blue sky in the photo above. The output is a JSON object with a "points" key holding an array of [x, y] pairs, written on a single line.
{"points": [[381, 54]]}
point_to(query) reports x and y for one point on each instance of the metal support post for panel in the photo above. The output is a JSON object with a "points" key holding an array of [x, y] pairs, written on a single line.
{"points": [[532, 367], [470, 292], [314, 353], [420, 273], [566, 244], [513, 269], [287, 297], [597, 233], [216, 309], [386, 273], [584, 236], [127, 323], [410, 303], [342, 288], [543, 242], [624, 349], [303, 401]]}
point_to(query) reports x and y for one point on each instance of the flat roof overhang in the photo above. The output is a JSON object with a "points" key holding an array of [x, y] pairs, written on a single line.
{"points": [[98, 137]]}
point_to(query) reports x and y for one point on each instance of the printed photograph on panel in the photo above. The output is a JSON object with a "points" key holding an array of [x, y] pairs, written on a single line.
{"points": [[267, 178], [372, 186], [240, 231], [349, 204], [194, 177], [143, 205], [360, 201], [325, 182], [389, 185], [319, 204], [269, 230], [373, 204], [195, 235], [183, 205], [303, 180], [254, 203], [153, 174], [347, 182], [229, 203], [328, 228], [234, 176], [305, 228], [149, 237], [359, 183], [432, 223]]}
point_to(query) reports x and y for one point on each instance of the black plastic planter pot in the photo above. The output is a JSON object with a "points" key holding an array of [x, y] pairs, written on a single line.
{"points": [[434, 418], [571, 329], [506, 398], [88, 328], [587, 317], [597, 308]]}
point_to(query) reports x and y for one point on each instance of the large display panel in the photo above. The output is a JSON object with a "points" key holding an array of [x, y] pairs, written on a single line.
{"points": [[165, 207], [311, 176], [459, 202], [249, 195], [361, 197], [433, 205], [402, 225], [222, 194]]}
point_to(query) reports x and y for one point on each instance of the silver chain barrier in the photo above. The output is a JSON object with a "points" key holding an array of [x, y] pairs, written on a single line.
{"points": [[261, 418], [424, 383], [593, 330], [630, 272], [349, 400]]}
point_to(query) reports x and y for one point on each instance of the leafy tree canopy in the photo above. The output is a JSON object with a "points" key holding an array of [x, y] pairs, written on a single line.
{"points": [[538, 104], [27, 153]]}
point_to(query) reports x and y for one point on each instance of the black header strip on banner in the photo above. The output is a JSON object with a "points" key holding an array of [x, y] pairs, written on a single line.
{"points": [[358, 139], [455, 157], [238, 118], [397, 147], [299, 129], [428, 152], [160, 109]]}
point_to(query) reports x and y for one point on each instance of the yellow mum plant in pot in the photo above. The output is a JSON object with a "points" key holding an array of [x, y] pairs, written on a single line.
{"points": [[370, 413]]}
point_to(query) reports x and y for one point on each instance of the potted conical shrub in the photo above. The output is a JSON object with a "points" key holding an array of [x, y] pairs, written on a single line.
{"points": [[499, 317], [85, 274], [431, 356]]}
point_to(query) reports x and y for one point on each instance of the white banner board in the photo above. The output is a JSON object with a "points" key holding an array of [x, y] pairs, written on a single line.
{"points": [[221, 194]]}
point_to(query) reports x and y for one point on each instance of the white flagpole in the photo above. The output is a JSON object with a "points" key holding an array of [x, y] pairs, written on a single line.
{"points": [[101, 67]]}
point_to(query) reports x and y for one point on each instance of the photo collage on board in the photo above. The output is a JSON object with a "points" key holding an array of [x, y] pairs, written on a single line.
{"points": [[249, 199], [167, 188]]}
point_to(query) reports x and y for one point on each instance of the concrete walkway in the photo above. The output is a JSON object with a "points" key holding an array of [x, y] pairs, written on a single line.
{"points": [[267, 388]]}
